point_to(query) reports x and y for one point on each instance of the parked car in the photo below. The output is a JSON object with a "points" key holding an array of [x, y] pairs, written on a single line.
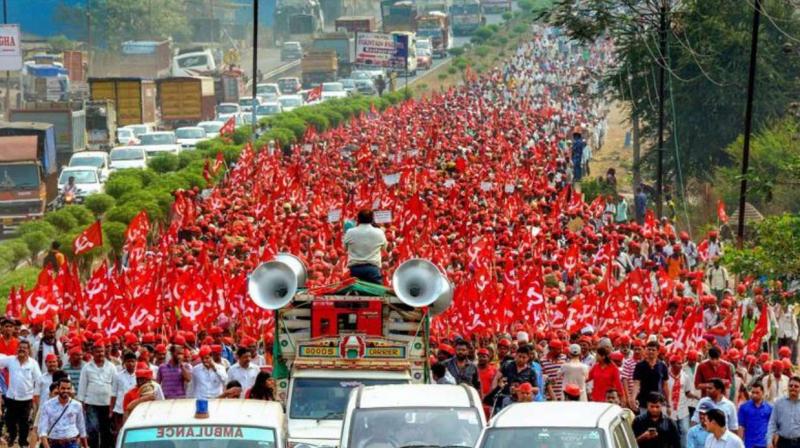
{"points": [[211, 127], [156, 143], [290, 102], [559, 423], [188, 137], [246, 103], [127, 157], [268, 91], [87, 180], [96, 159], [227, 110], [349, 85], [268, 109], [290, 85], [366, 87], [291, 51], [126, 136], [331, 90]]}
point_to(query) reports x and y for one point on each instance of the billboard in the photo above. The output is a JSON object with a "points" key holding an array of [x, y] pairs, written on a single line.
{"points": [[10, 50], [381, 50]]}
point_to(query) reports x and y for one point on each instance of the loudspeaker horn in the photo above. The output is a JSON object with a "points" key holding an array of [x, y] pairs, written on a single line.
{"points": [[273, 284], [419, 283]]}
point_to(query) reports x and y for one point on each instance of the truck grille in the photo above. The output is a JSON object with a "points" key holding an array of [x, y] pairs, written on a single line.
{"points": [[20, 208]]}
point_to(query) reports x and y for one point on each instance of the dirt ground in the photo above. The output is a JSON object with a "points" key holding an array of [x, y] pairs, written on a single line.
{"points": [[614, 154]]}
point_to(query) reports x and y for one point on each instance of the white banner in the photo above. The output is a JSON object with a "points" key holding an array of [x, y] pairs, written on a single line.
{"points": [[374, 49], [334, 215], [10, 48], [486, 186], [448, 183], [391, 179], [509, 188], [383, 216]]}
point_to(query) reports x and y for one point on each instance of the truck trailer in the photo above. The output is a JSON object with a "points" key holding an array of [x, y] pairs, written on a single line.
{"points": [[134, 98], [185, 101], [70, 127]]}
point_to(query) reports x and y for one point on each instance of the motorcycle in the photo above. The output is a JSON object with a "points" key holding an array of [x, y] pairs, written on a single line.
{"points": [[66, 198]]}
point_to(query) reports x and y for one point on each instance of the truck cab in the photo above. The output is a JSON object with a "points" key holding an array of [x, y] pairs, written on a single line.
{"points": [[197, 62]]}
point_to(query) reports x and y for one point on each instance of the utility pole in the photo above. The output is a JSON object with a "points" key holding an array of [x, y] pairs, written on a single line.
{"points": [[255, 66], [748, 121], [662, 32], [8, 74]]}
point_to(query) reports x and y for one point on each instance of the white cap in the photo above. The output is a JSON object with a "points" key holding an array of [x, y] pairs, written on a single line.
{"points": [[522, 337], [574, 349]]}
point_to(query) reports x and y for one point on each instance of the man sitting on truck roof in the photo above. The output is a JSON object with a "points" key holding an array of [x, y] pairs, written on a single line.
{"points": [[364, 243]]}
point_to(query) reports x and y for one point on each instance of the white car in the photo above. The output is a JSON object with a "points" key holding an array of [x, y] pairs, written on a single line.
{"points": [[87, 180], [331, 90], [227, 110], [139, 129], [268, 109], [95, 159], [211, 127], [189, 136], [155, 143], [268, 91], [246, 103], [559, 423], [126, 136], [290, 102], [128, 157], [418, 415]]}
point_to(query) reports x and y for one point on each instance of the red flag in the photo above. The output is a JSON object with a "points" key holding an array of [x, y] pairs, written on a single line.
{"points": [[229, 127], [219, 162], [90, 238], [314, 94], [762, 327], [723, 217]]}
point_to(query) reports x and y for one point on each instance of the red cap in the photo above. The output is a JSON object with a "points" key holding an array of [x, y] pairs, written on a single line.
{"points": [[692, 355], [447, 349], [525, 387], [787, 364], [676, 358], [179, 340], [75, 350], [208, 340], [624, 339], [49, 326], [149, 338], [190, 338], [161, 348], [777, 366], [144, 373], [215, 330], [784, 352], [131, 339], [51, 357], [616, 356], [734, 354], [504, 343], [247, 341], [555, 343], [483, 352], [763, 357], [638, 343], [573, 390], [227, 340], [205, 351], [216, 349]]}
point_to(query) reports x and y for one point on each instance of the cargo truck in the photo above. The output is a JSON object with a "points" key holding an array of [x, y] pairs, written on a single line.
{"points": [[44, 82], [185, 101], [134, 98], [344, 47], [428, 6], [495, 6], [466, 16], [297, 20], [101, 125], [28, 172], [70, 127], [398, 16], [319, 66], [145, 59], [435, 26], [356, 24]]}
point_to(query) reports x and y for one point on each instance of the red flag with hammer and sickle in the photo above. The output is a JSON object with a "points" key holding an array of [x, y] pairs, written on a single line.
{"points": [[89, 239]]}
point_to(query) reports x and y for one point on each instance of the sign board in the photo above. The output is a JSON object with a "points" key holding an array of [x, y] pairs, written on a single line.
{"points": [[10, 48], [334, 215], [400, 59], [383, 216], [374, 49]]}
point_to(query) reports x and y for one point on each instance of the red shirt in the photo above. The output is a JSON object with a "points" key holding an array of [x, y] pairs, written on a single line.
{"points": [[131, 395], [486, 375], [8, 347], [706, 371], [604, 377]]}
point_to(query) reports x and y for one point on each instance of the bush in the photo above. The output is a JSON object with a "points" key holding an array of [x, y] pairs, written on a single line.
{"points": [[81, 213], [163, 163], [593, 187], [519, 29], [18, 248], [6, 258], [37, 242], [25, 277], [117, 186], [187, 157], [456, 51], [115, 235], [319, 121], [507, 16], [99, 203], [62, 220], [123, 214], [452, 70], [482, 34], [38, 225]]}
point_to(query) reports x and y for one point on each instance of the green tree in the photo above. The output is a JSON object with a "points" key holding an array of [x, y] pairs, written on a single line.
{"points": [[99, 203], [774, 253]]}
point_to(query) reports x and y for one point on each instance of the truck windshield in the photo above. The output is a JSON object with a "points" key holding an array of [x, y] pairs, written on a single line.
{"points": [[19, 176], [157, 139], [326, 398], [543, 437], [450, 427], [193, 61], [199, 436]]}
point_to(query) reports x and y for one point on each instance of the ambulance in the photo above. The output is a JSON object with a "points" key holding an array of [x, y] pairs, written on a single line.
{"points": [[332, 340]]}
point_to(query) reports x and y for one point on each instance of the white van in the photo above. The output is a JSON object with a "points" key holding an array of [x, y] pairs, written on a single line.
{"points": [[412, 415], [230, 424], [559, 424], [194, 63]]}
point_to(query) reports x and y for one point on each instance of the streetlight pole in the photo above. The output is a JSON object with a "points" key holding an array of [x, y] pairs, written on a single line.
{"points": [[662, 32], [254, 75], [748, 121], [8, 74]]}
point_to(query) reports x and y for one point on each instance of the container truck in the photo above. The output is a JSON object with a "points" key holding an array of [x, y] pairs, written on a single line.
{"points": [[297, 20], [101, 124], [398, 15], [134, 98], [356, 24], [185, 101], [70, 127], [435, 27], [44, 82], [28, 172], [495, 6], [466, 16], [319, 66], [344, 47], [145, 59]]}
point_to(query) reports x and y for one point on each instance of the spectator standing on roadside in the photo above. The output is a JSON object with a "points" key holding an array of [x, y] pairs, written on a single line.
{"points": [[95, 390]]}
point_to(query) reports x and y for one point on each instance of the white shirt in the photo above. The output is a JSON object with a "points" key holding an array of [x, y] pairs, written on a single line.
{"points": [[44, 385], [123, 383], [683, 401], [46, 350], [22, 378], [208, 383], [72, 424], [246, 376], [364, 243], [97, 383], [727, 440]]}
